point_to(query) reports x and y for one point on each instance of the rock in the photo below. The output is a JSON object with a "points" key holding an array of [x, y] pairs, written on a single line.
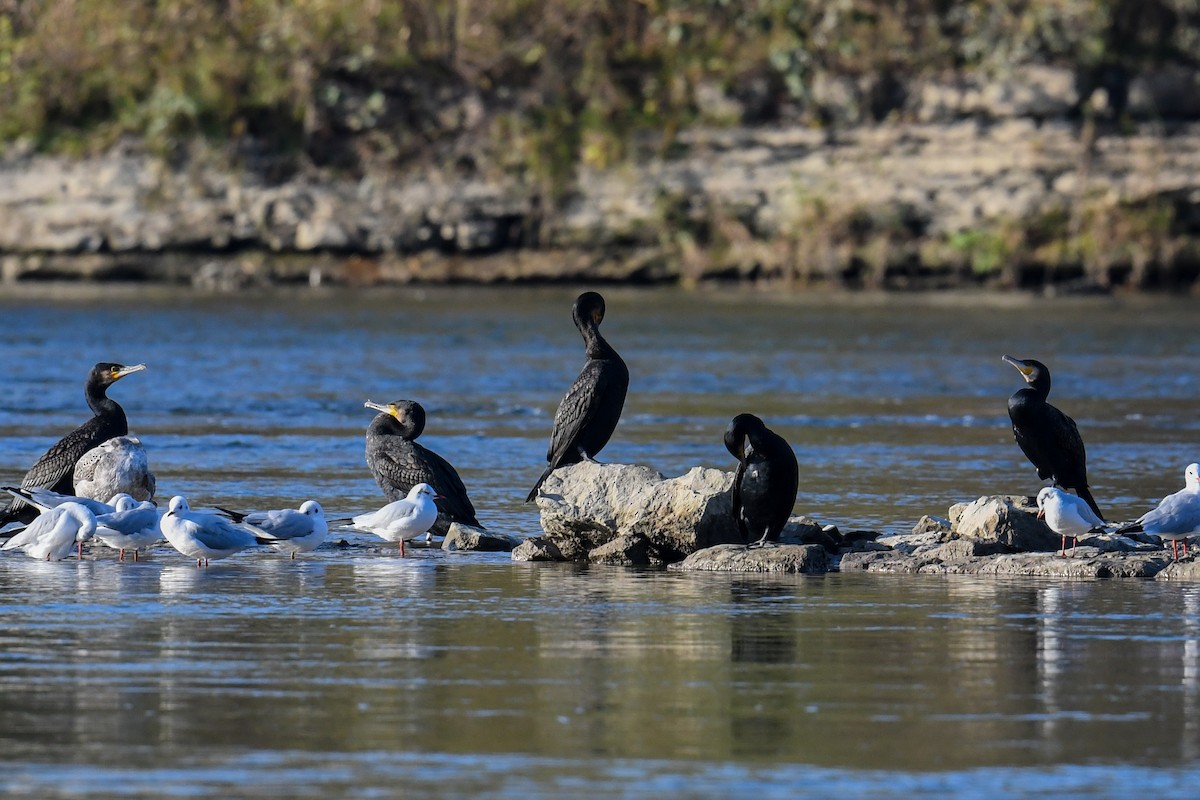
{"points": [[1010, 522], [1183, 570], [880, 561], [537, 549], [928, 524], [585, 506], [460, 538], [909, 543], [955, 558], [792, 558], [629, 550]]}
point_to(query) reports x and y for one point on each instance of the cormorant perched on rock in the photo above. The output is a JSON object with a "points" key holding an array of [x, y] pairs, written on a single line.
{"points": [[399, 463], [56, 469], [1048, 437], [764, 487], [588, 414]]}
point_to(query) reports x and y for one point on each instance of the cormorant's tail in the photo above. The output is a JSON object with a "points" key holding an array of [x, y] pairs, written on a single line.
{"points": [[534, 491], [1083, 492]]}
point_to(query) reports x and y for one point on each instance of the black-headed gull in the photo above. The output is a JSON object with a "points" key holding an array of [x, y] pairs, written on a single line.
{"points": [[1177, 516], [1067, 515], [202, 536], [131, 525], [55, 533], [119, 465], [288, 530], [402, 520]]}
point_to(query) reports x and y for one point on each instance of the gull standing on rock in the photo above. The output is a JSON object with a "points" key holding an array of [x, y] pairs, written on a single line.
{"points": [[402, 520], [131, 525], [117, 466], [399, 463], [588, 414], [1177, 515], [288, 530], [55, 470], [1048, 437], [203, 536], [766, 481], [1067, 515], [55, 533]]}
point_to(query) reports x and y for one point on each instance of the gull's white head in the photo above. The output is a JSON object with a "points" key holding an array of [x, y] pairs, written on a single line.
{"points": [[178, 504], [421, 490], [312, 508], [85, 518], [122, 501], [1044, 497], [1191, 476]]}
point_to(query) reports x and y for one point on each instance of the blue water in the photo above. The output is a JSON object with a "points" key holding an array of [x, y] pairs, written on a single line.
{"points": [[352, 672]]}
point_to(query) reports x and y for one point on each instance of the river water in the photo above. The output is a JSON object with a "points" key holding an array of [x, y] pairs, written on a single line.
{"points": [[352, 672]]}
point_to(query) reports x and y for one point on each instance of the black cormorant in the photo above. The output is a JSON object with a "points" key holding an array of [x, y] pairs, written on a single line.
{"points": [[588, 414], [399, 463], [1048, 437], [56, 469], [764, 487]]}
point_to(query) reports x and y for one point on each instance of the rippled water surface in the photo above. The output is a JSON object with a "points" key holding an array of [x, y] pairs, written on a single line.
{"points": [[354, 673]]}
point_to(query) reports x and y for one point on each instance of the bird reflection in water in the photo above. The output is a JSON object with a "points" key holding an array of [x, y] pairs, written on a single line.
{"points": [[763, 638]]}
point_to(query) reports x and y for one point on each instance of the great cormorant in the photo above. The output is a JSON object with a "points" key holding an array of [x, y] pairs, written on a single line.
{"points": [[588, 414], [56, 469], [767, 477], [399, 463], [1048, 437]]}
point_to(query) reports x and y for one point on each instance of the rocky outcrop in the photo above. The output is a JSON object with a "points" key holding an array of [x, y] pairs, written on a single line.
{"points": [[586, 508], [1087, 563], [974, 158], [1002, 525]]}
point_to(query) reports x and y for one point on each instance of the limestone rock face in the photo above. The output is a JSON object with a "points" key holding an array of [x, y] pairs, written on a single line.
{"points": [[587, 506], [1006, 523]]}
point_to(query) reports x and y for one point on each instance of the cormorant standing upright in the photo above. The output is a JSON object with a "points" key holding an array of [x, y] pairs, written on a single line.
{"points": [[767, 478], [399, 463], [588, 414], [56, 469], [1048, 437]]}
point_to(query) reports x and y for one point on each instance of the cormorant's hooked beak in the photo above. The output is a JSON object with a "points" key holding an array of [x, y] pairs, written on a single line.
{"points": [[390, 409], [123, 371], [1025, 370], [377, 407]]}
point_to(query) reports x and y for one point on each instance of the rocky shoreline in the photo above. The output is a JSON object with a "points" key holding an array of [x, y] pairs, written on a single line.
{"points": [[999, 185], [633, 516]]}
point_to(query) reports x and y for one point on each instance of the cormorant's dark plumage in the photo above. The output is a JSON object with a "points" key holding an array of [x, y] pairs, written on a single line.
{"points": [[399, 463], [56, 469], [1048, 437], [588, 414], [764, 487]]}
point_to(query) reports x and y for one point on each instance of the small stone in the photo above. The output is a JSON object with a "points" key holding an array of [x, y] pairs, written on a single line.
{"points": [[462, 538], [930, 524], [537, 548], [789, 558]]}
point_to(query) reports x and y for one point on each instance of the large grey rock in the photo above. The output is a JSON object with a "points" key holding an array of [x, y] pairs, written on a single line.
{"points": [[956, 558], [805, 558], [585, 506], [1008, 523]]}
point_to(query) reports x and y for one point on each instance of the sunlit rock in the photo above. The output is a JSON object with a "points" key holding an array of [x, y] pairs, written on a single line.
{"points": [[800, 558], [1008, 523], [461, 538], [585, 506], [537, 548], [962, 557]]}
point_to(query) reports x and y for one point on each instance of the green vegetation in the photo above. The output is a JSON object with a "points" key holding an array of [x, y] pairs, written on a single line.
{"points": [[550, 83]]}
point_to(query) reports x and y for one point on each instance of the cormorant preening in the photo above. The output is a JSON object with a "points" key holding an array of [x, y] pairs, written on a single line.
{"points": [[399, 463], [764, 487], [56, 469], [588, 414], [1048, 437]]}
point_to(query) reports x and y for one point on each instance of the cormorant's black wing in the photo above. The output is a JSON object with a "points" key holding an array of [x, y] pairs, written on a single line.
{"points": [[445, 480], [576, 410], [735, 502]]}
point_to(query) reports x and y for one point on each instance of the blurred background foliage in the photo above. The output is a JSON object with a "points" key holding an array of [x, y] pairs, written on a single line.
{"points": [[534, 87]]}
